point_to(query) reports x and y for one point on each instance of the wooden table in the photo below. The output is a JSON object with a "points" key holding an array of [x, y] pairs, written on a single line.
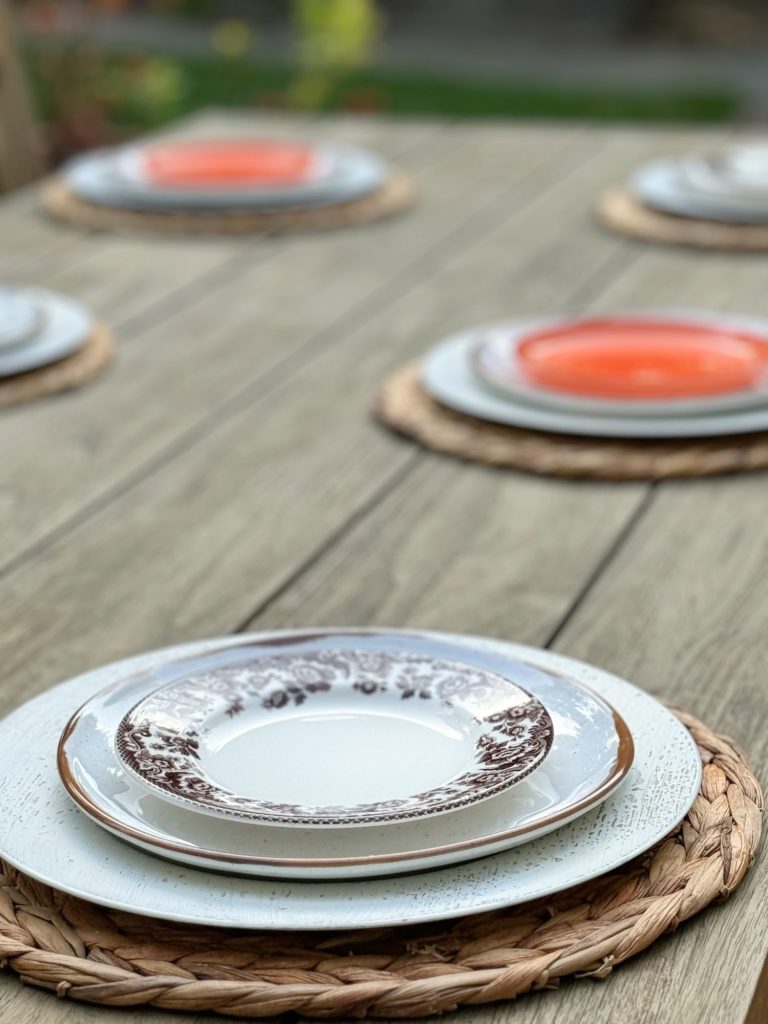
{"points": [[226, 475]]}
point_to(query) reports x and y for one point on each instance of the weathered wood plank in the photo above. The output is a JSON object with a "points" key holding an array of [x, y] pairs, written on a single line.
{"points": [[682, 612], [463, 548], [228, 520], [255, 496], [172, 376], [124, 423]]}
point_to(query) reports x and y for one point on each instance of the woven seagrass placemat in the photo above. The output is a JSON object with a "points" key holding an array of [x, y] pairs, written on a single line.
{"points": [[60, 202], [404, 406], [619, 210], [65, 374], [84, 952]]}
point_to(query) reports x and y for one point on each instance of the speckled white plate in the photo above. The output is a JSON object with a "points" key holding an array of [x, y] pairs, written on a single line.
{"points": [[591, 755], [64, 328], [447, 376], [110, 177], [45, 835]]}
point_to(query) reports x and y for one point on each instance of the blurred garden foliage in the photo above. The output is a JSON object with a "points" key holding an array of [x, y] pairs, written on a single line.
{"points": [[89, 95], [92, 92]]}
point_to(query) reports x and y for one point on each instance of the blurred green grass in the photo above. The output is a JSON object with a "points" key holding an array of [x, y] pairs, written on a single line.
{"points": [[140, 91]]}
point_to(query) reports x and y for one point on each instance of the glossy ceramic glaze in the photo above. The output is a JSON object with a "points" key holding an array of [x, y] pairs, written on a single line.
{"points": [[580, 364], [64, 328], [21, 317], [48, 837], [333, 737], [117, 177], [448, 376], [591, 755]]}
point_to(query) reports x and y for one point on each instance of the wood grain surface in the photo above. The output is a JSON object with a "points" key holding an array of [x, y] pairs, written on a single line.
{"points": [[227, 475]]}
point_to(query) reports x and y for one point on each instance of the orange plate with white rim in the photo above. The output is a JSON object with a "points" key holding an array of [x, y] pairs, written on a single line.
{"points": [[652, 363], [225, 164]]}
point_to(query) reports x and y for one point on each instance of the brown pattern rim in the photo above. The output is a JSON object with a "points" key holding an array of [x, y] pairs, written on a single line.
{"points": [[624, 758], [420, 805]]}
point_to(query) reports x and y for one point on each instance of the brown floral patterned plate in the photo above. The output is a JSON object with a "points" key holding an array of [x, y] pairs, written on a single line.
{"points": [[342, 736]]}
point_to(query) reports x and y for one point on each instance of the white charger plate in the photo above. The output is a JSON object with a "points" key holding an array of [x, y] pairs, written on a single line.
{"points": [[20, 317], [448, 377], [46, 836], [591, 755], [110, 177], [666, 185], [341, 736], [493, 357], [64, 328]]}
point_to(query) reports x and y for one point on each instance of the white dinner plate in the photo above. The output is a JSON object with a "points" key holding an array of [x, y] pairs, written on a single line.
{"points": [[341, 736], [493, 357], [46, 835], [20, 317], [666, 185], [591, 755], [64, 329], [741, 172], [448, 377], [109, 177]]}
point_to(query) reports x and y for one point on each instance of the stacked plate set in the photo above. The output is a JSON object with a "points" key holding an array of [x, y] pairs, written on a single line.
{"points": [[224, 176], [338, 778], [730, 186], [39, 327], [650, 374]]}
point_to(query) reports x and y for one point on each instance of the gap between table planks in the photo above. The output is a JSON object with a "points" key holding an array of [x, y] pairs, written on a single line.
{"points": [[559, 531]]}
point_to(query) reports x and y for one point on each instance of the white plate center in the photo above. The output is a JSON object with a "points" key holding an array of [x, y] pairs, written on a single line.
{"points": [[319, 758]]}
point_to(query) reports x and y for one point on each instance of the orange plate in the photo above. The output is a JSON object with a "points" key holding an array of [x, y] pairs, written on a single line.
{"points": [[196, 164], [641, 359]]}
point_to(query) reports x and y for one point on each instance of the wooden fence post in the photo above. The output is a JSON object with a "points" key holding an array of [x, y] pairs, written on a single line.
{"points": [[21, 145]]}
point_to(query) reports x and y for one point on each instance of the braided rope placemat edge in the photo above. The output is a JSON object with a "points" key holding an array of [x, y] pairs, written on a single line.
{"points": [[63, 375], [404, 406], [619, 210], [394, 196], [88, 953]]}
